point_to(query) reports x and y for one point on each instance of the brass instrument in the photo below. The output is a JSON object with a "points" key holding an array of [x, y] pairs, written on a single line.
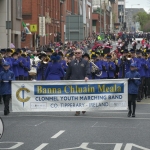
{"points": [[129, 57], [46, 60], [95, 69]]}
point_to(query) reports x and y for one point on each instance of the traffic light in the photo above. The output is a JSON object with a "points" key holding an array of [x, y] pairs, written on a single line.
{"points": [[23, 36]]}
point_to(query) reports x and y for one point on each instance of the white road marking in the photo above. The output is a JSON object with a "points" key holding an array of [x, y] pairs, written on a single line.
{"points": [[17, 144], [39, 123], [82, 146], [57, 134], [94, 124], [41, 146]]}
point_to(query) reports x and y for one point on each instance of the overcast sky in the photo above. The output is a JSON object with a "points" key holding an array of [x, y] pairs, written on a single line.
{"points": [[143, 4]]}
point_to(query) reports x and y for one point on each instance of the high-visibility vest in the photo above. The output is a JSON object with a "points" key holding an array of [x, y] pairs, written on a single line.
{"points": [[99, 37]]}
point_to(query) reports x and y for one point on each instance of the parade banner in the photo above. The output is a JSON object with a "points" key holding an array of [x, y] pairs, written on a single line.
{"points": [[35, 96]]}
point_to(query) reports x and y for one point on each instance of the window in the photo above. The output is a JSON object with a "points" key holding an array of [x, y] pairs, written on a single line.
{"points": [[19, 9]]}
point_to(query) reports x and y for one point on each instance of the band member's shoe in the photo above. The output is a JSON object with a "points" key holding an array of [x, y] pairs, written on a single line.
{"points": [[6, 112], [77, 113], [133, 115], [83, 112], [129, 114]]}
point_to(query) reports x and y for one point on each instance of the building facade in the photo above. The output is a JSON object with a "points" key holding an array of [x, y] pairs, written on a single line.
{"points": [[10, 16], [54, 25], [121, 11], [103, 22]]}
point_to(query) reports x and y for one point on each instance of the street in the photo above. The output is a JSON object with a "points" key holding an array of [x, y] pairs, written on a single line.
{"points": [[101, 130]]}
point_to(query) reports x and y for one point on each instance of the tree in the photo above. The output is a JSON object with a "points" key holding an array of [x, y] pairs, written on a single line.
{"points": [[143, 18]]}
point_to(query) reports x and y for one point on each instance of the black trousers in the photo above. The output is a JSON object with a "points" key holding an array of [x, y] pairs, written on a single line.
{"points": [[6, 99], [132, 101], [148, 84], [141, 89], [0, 98]]}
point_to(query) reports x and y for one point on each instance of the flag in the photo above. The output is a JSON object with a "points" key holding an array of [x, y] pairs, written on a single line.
{"points": [[27, 31]]}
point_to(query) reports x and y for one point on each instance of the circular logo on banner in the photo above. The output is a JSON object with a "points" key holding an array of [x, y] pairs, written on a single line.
{"points": [[1, 127], [20, 94]]}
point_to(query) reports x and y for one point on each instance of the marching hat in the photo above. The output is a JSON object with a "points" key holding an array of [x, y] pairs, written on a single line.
{"points": [[133, 65], [42, 55], [18, 50], [108, 56], [132, 50], [9, 50], [6, 63], [60, 54], [55, 56], [49, 50], [138, 51], [15, 53], [125, 51], [3, 51], [23, 49], [86, 55]]}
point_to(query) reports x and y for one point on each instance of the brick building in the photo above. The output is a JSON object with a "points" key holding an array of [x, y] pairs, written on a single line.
{"points": [[54, 11]]}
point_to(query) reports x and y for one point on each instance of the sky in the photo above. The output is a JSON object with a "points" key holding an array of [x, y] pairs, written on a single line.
{"points": [[143, 4]]}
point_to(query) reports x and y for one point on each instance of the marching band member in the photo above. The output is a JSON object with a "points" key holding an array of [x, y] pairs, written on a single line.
{"points": [[63, 64], [115, 60], [133, 85], [54, 68], [15, 64], [148, 82], [21, 64], [41, 67], [141, 70], [6, 75], [98, 63], [26, 66], [104, 66], [8, 57], [123, 64], [147, 67], [110, 67]]}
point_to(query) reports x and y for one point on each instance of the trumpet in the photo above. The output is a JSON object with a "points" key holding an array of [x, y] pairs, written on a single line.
{"points": [[129, 57], [95, 69]]}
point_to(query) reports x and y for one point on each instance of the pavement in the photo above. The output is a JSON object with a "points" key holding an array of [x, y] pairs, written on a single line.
{"points": [[100, 130]]}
